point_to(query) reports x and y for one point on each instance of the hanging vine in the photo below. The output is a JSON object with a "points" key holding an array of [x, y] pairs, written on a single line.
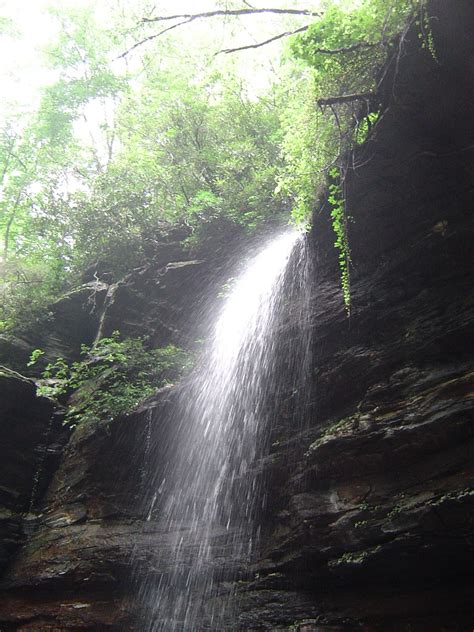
{"points": [[340, 223], [347, 54]]}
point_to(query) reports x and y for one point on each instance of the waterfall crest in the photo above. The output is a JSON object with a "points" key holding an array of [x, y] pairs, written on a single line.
{"points": [[206, 497]]}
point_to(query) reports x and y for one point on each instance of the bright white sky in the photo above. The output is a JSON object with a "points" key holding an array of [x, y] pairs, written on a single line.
{"points": [[21, 72], [22, 68]]}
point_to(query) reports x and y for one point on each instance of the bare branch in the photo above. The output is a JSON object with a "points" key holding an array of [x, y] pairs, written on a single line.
{"points": [[186, 18], [226, 51], [325, 51], [152, 37], [345, 98], [229, 12]]}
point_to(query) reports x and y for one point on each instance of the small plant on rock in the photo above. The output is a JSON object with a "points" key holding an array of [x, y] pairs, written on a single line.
{"points": [[113, 377]]}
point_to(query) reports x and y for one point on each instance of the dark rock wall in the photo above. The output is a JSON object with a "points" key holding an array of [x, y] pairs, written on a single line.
{"points": [[369, 520], [68, 323], [375, 529], [27, 454]]}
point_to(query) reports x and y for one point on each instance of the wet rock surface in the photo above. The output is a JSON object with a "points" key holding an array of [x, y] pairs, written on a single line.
{"points": [[26, 424], [369, 519], [374, 526], [380, 511], [155, 302]]}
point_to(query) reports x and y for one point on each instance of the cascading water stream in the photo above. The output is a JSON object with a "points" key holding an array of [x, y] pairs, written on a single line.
{"points": [[207, 497]]}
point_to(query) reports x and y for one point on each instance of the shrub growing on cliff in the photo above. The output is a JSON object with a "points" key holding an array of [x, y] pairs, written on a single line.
{"points": [[113, 378], [344, 56]]}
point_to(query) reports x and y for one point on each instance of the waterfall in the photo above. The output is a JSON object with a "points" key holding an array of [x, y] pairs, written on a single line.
{"points": [[206, 497]]}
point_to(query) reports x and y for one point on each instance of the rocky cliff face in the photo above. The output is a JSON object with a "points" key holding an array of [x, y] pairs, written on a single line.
{"points": [[373, 530], [371, 526], [31, 442]]}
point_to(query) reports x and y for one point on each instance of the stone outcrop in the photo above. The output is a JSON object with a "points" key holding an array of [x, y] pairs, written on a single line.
{"points": [[369, 521], [163, 300], [69, 322], [27, 453]]}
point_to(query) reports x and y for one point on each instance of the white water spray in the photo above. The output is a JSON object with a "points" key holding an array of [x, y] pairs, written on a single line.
{"points": [[211, 499]]}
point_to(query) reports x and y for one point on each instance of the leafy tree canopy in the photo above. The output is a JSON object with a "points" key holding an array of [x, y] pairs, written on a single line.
{"points": [[119, 153]]}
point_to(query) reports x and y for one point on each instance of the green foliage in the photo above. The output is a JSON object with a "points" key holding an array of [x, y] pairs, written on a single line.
{"points": [[426, 31], [35, 356], [112, 379], [28, 286], [43, 168], [177, 147], [363, 128], [341, 55], [191, 153], [180, 145], [340, 226], [339, 428], [355, 557]]}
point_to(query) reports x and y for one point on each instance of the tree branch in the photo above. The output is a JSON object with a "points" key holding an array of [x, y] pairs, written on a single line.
{"points": [[8, 227], [186, 18], [152, 37], [345, 98], [226, 51], [230, 12], [346, 49]]}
